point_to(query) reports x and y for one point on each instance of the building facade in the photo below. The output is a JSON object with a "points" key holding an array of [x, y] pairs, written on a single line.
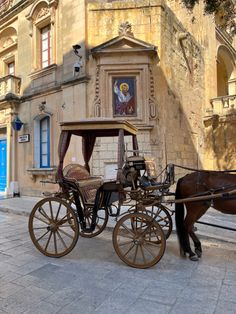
{"points": [[168, 71]]}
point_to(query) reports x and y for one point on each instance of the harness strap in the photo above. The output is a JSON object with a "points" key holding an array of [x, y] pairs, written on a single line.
{"points": [[202, 170]]}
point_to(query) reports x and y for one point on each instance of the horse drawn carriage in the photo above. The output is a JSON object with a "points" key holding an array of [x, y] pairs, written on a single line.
{"points": [[83, 203]]}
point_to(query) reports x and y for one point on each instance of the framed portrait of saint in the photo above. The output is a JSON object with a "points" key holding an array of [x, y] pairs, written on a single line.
{"points": [[124, 96]]}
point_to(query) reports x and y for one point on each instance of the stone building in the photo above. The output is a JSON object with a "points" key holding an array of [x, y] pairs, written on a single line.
{"points": [[176, 70]]}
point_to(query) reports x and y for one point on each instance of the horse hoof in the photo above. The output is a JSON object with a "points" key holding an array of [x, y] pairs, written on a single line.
{"points": [[199, 253], [193, 258]]}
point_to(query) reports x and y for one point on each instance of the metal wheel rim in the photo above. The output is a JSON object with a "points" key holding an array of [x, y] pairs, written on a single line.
{"points": [[53, 227], [139, 240]]}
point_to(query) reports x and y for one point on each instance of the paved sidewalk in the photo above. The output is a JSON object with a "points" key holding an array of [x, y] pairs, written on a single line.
{"points": [[92, 279]]}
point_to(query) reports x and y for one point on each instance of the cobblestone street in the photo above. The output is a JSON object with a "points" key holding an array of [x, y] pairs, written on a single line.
{"points": [[92, 279]]}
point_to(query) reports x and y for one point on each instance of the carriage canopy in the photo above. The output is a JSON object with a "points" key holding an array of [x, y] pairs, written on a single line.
{"points": [[89, 130]]}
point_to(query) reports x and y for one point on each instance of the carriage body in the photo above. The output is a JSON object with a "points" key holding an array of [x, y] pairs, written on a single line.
{"points": [[84, 203]]}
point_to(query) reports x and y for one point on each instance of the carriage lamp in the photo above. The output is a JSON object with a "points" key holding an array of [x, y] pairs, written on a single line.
{"points": [[17, 124]]}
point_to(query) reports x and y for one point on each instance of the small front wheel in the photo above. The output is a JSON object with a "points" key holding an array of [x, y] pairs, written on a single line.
{"points": [[138, 240], [53, 227]]}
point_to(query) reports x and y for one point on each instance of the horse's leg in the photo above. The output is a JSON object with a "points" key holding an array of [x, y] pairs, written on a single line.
{"points": [[197, 243], [185, 229], [192, 216]]}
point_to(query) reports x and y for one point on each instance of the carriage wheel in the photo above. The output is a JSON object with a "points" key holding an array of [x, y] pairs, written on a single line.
{"points": [[53, 227], [101, 222], [139, 240], [161, 214]]}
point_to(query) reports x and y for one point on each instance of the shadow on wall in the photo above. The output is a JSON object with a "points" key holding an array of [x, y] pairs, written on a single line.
{"points": [[178, 127]]}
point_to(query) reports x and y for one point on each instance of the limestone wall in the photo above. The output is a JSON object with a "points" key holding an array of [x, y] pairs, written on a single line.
{"points": [[179, 77]]}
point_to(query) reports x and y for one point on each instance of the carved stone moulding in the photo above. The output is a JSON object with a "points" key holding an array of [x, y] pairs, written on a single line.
{"points": [[5, 5]]}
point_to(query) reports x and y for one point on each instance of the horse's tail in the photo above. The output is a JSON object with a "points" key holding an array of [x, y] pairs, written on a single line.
{"points": [[179, 217]]}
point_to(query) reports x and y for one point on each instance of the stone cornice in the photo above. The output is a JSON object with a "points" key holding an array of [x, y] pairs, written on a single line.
{"points": [[224, 40]]}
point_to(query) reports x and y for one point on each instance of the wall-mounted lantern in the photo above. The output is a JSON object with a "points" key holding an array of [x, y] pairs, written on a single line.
{"points": [[17, 124], [79, 64]]}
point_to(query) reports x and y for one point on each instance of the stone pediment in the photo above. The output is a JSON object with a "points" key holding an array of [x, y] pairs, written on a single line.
{"points": [[125, 44]]}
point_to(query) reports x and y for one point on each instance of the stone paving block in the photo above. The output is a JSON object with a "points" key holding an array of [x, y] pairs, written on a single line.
{"points": [[225, 308], [65, 296], [230, 278], [8, 289], [189, 305], [43, 308], [9, 277], [116, 304], [24, 300], [162, 292], [22, 259], [142, 306], [228, 293]]}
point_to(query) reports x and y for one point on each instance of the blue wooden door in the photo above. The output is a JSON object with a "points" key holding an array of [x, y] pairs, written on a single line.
{"points": [[3, 164]]}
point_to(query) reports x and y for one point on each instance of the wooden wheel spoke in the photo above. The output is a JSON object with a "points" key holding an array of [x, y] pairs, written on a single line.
{"points": [[59, 208], [135, 254], [149, 226], [150, 252], [64, 219], [38, 239], [51, 211], [125, 243], [49, 238], [39, 228], [42, 220], [126, 236], [43, 213], [129, 249], [55, 241], [65, 233], [143, 255], [63, 242], [127, 229]]}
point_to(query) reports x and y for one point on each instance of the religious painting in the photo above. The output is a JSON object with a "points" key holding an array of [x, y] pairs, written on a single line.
{"points": [[124, 96]]}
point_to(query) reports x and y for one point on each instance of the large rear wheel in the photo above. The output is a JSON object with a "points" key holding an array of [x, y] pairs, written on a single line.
{"points": [[139, 240], [53, 227]]}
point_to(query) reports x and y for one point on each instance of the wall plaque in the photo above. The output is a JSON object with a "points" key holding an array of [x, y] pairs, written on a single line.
{"points": [[23, 138]]}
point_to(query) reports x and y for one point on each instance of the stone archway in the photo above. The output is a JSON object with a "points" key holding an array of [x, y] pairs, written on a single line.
{"points": [[226, 72]]}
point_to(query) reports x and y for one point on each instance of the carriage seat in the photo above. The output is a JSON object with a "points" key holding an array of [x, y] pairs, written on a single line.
{"points": [[86, 183]]}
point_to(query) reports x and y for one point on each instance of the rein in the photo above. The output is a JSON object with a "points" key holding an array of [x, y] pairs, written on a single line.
{"points": [[202, 170]]}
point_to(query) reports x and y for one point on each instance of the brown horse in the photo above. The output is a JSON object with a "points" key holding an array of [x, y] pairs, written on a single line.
{"points": [[201, 184]]}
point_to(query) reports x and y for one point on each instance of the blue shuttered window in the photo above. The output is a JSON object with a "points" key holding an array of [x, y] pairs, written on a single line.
{"points": [[45, 143]]}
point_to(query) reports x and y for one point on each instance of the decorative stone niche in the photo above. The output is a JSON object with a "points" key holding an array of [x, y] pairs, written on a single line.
{"points": [[124, 86]]}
